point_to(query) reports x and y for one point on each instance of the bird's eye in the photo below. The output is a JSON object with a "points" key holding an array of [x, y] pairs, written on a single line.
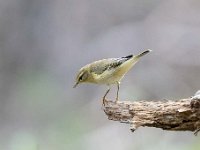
{"points": [[81, 78]]}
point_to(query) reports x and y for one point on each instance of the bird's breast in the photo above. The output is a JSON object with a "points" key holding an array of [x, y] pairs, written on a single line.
{"points": [[108, 77]]}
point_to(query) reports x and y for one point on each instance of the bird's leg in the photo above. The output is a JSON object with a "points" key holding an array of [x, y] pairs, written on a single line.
{"points": [[104, 97], [118, 84]]}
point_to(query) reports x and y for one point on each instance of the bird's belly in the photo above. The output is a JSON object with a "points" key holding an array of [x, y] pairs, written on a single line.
{"points": [[112, 76], [111, 79]]}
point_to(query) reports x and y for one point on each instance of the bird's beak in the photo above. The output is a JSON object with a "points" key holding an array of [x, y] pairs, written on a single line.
{"points": [[76, 84]]}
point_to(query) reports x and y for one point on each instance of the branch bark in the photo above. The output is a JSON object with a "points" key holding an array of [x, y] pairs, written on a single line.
{"points": [[179, 115]]}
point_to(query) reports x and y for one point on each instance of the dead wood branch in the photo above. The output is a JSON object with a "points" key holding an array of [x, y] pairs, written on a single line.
{"points": [[179, 115]]}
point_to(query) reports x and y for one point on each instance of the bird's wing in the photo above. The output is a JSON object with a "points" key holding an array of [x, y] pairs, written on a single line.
{"points": [[99, 67]]}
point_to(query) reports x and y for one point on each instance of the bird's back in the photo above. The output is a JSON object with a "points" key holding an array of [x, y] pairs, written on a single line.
{"points": [[111, 70]]}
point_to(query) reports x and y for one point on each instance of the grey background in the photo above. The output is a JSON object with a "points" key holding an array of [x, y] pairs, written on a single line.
{"points": [[43, 44]]}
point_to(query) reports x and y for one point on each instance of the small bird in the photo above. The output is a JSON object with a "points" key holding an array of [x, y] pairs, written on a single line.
{"points": [[108, 71]]}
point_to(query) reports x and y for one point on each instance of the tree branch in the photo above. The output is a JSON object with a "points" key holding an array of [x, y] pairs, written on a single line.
{"points": [[180, 115]]}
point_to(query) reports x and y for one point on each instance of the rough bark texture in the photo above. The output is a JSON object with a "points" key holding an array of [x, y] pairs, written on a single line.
{"points": [[180, 115]]}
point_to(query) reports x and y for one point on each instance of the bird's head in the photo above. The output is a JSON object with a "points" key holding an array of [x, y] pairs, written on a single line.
{"points": [[82, 76]]}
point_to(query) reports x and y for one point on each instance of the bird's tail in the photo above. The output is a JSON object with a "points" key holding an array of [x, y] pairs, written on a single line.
{"points": [[130, 62], [143, 53]]}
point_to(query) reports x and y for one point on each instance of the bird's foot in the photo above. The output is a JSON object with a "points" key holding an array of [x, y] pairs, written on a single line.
{"points": [[104, 98], [104, 101]]}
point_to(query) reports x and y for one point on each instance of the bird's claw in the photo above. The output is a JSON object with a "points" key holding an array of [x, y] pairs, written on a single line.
{"points": [[104, 101], [104, 97]]}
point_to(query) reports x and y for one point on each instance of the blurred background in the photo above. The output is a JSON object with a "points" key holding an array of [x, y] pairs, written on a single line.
{"points": [[43, 44]]}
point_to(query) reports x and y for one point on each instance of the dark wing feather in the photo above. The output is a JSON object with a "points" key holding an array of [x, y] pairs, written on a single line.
{"points": [[128, 57], [107, 64]]}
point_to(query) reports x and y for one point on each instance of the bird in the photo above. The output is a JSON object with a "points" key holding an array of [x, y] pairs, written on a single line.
{"points": [[108, 71]]}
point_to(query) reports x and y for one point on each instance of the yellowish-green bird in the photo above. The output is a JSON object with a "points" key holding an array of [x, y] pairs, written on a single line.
{"points": [[108, 71]]}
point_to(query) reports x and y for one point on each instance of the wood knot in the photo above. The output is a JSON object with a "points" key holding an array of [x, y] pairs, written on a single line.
{"points": [[195, 100], [195, 103]]}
